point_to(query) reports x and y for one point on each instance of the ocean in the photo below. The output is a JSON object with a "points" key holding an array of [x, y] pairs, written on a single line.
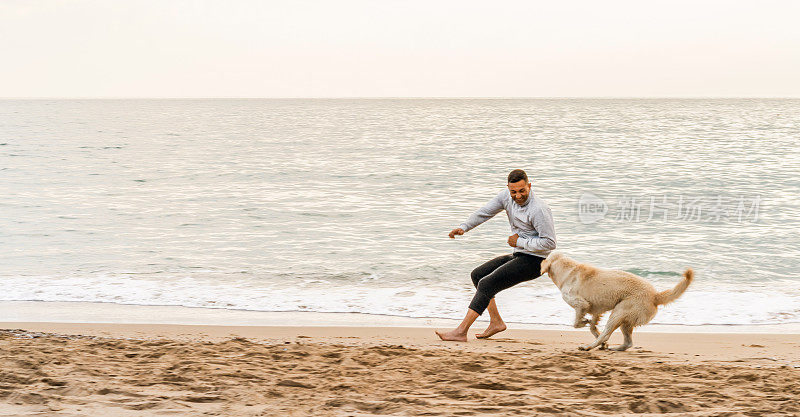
{"points": [[344, 205]]}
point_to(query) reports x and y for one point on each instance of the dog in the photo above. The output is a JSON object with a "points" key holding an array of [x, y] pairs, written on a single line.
{"points": [[590, 290]]}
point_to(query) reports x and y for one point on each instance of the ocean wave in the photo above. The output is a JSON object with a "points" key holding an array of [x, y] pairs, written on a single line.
{"points": [[538, 302]]}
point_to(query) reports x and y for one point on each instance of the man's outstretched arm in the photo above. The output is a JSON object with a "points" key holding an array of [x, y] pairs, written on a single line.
{"points": [[494, 206]]}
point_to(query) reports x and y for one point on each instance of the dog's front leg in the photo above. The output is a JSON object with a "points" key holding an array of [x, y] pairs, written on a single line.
{"points": [[593, 325], [581, 307], [595, 332], [614, 321]]}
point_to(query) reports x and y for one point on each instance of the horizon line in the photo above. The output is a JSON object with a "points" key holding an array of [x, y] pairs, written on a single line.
{"points": [[398, 98]]}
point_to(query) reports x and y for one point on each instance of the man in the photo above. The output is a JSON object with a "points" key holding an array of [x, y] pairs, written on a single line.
{"points": [[533, 238]]}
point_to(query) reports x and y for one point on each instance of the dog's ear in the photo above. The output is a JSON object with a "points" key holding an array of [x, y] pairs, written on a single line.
{"points": [[545, 267], [548, 262]]}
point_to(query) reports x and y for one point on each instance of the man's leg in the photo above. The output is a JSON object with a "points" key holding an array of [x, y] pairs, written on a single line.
{"points": [[519, 269], [460, 333], [496, 323]]}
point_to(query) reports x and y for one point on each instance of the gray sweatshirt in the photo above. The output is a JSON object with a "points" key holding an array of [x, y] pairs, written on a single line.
{"points": [[532, 221]]}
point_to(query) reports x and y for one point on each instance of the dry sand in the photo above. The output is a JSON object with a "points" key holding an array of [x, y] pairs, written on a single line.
{"points": [[127, 370]]}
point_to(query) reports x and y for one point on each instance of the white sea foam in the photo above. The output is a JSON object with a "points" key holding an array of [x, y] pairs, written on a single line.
{"points": [[538, 302]]}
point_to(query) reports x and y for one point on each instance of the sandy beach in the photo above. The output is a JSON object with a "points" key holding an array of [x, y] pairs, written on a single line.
{"points": [[71, 369]]}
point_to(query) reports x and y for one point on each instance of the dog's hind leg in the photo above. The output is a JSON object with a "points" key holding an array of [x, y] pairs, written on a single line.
{"points": [[627, 331], [614, 321]]}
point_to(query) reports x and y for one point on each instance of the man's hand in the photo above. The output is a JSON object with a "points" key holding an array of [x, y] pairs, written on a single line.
{"points": [[512, 240], [457, 231]]}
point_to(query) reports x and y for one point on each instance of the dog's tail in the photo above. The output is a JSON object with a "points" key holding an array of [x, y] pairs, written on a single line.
{"points": [[668, 296]]}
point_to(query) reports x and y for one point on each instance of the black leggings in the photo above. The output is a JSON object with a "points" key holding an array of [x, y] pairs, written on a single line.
{"points": [[501, 273]]}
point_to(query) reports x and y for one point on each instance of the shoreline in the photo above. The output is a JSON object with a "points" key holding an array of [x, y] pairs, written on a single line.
{"points": [[775, 348], [110, 313]]}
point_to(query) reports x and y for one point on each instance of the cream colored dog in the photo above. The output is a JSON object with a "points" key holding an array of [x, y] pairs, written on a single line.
{"points": [[632, 300]]}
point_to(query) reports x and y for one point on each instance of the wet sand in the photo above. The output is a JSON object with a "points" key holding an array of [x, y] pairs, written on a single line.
{"points": [[143, 370]]}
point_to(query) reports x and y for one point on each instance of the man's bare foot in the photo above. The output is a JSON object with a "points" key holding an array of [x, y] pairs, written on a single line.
{"points": [[492, 330], [453, 335]]}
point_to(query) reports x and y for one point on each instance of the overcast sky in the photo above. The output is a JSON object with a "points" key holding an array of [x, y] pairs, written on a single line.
{"points": [[382, 48]]}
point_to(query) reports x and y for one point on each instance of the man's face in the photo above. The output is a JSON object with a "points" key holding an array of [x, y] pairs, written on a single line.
{"points": [[519, 191]]}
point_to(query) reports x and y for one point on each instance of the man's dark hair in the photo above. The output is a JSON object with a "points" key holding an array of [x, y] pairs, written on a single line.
{"points": [[517, 175]]}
